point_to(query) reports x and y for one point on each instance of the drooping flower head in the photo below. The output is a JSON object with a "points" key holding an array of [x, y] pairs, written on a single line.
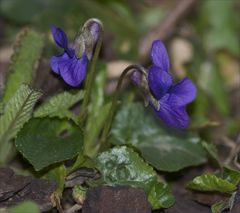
{"points": [[168, 100], [172, 98], [71, 65]]}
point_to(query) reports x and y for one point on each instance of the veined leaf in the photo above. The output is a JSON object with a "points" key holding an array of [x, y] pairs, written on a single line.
{"points": [[18, 111], [27, 52], [58, 105], [160, 196], [163, 148], [211, 183], [45, 141], [123, 166]]}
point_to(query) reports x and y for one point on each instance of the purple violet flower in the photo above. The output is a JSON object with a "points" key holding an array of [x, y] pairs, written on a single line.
{"points": [[70, 67], [172, 98]]}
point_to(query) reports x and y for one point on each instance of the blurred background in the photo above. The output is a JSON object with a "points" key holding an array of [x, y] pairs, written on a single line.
{"points": [[202, 37]]}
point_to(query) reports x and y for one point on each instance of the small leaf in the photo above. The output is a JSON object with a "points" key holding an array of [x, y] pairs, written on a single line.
{"points": [[211, 183], [47, 141], [27, 52], [123, 166], [220, 206], [58, 105], [231, 175], [164, 149], [26, 207], [18, 111], [160, 196]]}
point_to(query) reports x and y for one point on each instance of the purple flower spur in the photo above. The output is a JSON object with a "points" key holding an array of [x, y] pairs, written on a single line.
{"points": [[172, 98], [68, 65]]}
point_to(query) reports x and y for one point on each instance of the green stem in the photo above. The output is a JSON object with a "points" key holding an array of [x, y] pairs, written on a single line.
{"points": [[90, 77], [109, 120]]}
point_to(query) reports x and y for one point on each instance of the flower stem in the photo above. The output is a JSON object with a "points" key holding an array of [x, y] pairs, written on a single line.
{"points": [[90, 76], [109, 120]]}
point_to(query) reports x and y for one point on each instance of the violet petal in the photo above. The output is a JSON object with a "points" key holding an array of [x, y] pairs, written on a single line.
{"points": [[60, 37], [73, 70], [55, 60], [159, 55], [159, 81], [172, 116], [182, 93]]}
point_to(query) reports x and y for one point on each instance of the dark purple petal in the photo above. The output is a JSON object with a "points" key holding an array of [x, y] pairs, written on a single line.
{"points": [[182, 93], [159, 81], [73, 70], [172, 116], [159, 55], [60, 37], [55, 61]]}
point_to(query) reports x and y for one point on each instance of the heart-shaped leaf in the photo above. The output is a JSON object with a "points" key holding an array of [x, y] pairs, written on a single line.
{"points": [[165, 149], [46, 141], [123, 166]]}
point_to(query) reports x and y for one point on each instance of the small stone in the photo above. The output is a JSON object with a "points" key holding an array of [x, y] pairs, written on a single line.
{"points": [[120, 199], [15, 189]]}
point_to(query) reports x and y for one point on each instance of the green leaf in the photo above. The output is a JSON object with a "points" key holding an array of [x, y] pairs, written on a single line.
{"points": [[231, 175], [18, 111], [220, 206], [164, 149], [47, 141], [58, 105], [160, 196], [123, 166], [27, 52], [26, 207], [211, 183]]}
